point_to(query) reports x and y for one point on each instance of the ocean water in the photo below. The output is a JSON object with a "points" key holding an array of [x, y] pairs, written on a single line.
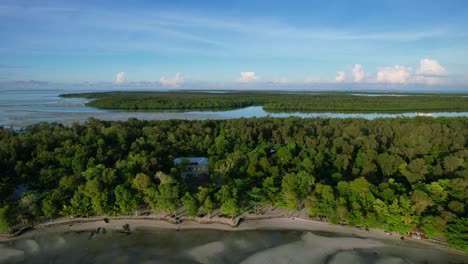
{"points": [[19, 108], [212, 246]]}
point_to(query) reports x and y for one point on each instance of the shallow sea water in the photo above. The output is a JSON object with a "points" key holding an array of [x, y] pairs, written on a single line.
{"points": [[19, 108], [212, 246]]}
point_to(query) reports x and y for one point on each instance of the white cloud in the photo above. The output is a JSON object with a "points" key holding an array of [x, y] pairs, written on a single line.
{"points": [[395, 74], [358, 73], [340, 76], [429, 72], [176, 81], [247, 77], [430, 67], [120, 78]]}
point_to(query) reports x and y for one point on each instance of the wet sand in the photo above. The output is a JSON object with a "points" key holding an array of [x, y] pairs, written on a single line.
{"points": [[277, 239], [269, 222]]}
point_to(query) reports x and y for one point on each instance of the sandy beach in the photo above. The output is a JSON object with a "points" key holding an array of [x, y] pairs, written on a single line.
{"points": [[280, 220], [270, 240]]}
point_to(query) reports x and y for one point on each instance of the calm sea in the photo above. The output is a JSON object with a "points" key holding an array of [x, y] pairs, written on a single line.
{"points": [[211, 246]]}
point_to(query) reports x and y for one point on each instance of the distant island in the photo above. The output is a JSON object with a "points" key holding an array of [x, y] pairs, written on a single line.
{"points": [[275, 101]]}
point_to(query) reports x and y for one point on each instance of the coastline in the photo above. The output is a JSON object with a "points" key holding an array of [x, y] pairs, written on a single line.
{"points": [[246, 223]]}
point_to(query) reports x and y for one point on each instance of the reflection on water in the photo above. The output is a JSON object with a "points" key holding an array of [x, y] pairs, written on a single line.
{"points": [[257, 111], [211, 246], [24, 107]]}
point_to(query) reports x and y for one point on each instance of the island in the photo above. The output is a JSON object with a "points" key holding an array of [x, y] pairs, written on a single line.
{"points": [[392, 174], [275, 101]]}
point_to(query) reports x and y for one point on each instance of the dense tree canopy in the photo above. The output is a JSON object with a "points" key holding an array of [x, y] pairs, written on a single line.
{"points": [[388, 173], [273, 101]]}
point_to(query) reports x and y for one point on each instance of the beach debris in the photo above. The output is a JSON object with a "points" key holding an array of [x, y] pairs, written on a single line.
{"points": [[126, 228], [171, 215], [93, 233], [99, 230]]}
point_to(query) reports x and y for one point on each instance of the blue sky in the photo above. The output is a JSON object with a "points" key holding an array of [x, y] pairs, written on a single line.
{"points": [[224, 44]]}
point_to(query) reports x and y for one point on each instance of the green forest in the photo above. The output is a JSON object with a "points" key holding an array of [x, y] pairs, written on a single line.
{"points": [[274, 102], [392, 174]]}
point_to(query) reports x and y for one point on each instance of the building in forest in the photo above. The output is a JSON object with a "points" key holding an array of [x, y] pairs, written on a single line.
{"points": [[193, 167]]}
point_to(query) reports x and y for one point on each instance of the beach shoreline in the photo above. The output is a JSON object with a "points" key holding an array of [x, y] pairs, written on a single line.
{"points": [[251, 223]]}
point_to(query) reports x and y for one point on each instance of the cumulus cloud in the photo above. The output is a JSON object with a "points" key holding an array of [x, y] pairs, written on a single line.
{"points": [[395, 74], [430, 67], [120, 78], [358, 73], [429, 72], [246, 77], [340, 76], [176, 81]]}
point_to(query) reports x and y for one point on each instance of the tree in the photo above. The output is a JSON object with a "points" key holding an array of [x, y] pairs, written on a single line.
{"points": [[225, 192], [209, 206], [434, 226], [69, 183], [231, 207], [418, 166], [167, 197], [341, 211], [51, 205], [456, 207], [6, 218], [401, 215], [414, 171], [387, 163], [98, 195], [202, 194], [437, 192], [312, 204], [80, 203], [141, 182], [29, 209], [125, 200], [269, 191], [382, 212], [255, 195], [421, 200], [152, 197], [458, 234], [229, 199], [326, 200], [191, 203], [361, 199], [163, 177], [296, 187], [451, 164]]}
